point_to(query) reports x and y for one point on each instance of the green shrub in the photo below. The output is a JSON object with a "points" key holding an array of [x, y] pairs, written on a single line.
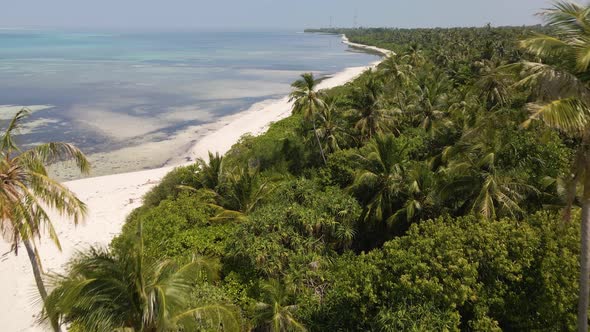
{"points": [[168, 187], [477, 275], [299, 224], [177, 228]]}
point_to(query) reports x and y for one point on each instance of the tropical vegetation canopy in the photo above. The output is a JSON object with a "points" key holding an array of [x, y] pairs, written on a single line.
{"points": [[448, 189]]}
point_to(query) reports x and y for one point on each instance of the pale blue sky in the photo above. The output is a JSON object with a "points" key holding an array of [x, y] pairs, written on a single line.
{"points": [[256, 14]]}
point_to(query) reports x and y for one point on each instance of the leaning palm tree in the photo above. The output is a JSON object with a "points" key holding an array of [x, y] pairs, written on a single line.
{"points": [[106, 291], [564, 103], [308, 101], [275, 312], [27, 194]]}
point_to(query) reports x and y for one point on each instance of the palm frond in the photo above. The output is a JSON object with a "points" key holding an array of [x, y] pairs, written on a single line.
{"points": [[548, 82], [57, 151], [567, 17], [546, 46], [570, 115], [7, 143]]}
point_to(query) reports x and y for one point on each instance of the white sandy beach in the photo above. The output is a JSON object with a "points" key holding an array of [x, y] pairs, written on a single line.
{"points": [[371, 48], [111, 198]]}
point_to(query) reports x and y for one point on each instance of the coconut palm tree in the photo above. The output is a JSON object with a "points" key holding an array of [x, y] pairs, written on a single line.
{"points": [[329, 129], [106, 291], [233, 194], [365, 101], [275, 313], [493, 85], [308, 101], [395, 71], [240, 193], [418, 193], [464, 109], [398, 77], [432, 104], [415, 55], [27, 194], [474, 181], [382, 177], [564, 103]]}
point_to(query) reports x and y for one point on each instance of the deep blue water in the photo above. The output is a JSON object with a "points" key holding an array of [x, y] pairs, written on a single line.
{"points": [[109, 90]]}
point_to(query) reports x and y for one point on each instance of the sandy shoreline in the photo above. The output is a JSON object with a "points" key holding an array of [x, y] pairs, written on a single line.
{"points": [[370, 48], [111, 198]]}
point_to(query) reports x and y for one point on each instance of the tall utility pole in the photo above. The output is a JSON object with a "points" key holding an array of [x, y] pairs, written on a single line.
{"points": [[355, 19], [331, 22]]}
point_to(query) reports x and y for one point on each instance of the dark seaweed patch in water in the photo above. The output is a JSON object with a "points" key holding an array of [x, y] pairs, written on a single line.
{"points": [[143, 76]]}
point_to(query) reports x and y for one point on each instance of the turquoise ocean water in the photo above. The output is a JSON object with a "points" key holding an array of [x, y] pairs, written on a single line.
{"points": [[106, 91]]}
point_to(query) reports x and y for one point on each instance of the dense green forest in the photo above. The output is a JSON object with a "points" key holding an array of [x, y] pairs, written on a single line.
{"points": [[436, 192]]}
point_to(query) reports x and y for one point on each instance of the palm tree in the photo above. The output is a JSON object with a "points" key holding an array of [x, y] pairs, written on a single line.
{"points": [[365, 100], [27, 192], [232, 194], [382, 177], [564, 104], [308, 101], [418, 189], [240, 193], [329, 130], [104, 291], [415, 55], [493, 85], [441, 56], [394, 71], [210, 173], [464, 109], [275, 312], [431, 107], [476, 183], [398, 77]]}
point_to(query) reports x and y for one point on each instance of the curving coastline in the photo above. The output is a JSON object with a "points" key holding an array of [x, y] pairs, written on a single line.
{"points": [[367, 47], [111, 198]]}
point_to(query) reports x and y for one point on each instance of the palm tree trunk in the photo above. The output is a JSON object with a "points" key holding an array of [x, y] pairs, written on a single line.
{"points": [[39, 279], [585, 257], [319, 143]]}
